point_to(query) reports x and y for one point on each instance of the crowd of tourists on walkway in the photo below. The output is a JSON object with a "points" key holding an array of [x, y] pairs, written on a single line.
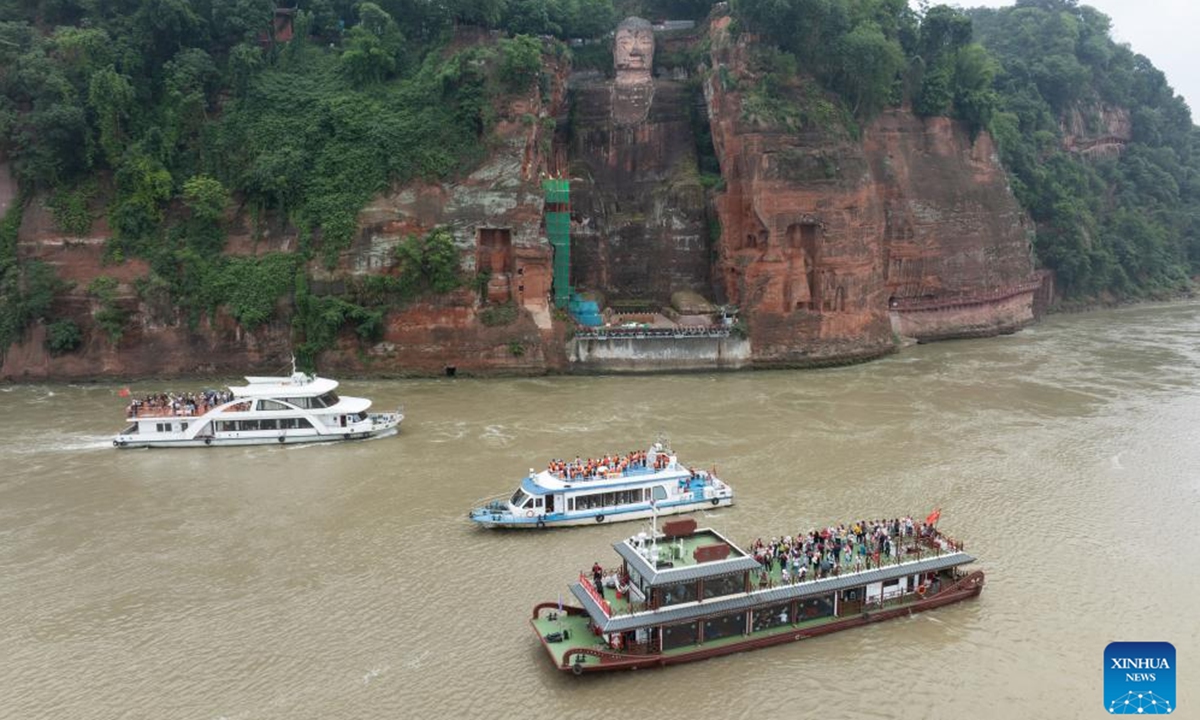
{"points": [[592, 468], [848, 547], [169, 404]]}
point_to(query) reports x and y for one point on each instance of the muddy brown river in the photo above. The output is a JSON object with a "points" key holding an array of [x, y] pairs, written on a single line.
{"points": [[344, 581]]}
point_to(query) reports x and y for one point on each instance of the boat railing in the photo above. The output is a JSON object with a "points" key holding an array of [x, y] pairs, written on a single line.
{"points": [[143, 412], [910, 549], [387, 417], [628, 472], [588, 585], [493, 503]]}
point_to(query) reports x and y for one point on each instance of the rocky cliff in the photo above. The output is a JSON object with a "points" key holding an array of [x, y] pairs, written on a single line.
{"points": [[830, 243], [494, 213], [640, 231]]}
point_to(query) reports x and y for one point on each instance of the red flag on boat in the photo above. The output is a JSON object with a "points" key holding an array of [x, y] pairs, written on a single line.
{"points": [[123, 392], [933, 516]]}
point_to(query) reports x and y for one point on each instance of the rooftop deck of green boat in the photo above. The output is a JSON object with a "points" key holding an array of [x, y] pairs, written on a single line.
{"points": [[683, 550]]}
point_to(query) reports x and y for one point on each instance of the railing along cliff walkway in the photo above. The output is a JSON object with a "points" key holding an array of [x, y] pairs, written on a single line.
{"points": [[951, 301]]}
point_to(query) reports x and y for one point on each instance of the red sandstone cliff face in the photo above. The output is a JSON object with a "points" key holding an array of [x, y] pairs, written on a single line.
{"points": [[157, 340], [1096, 131], [494, 214], [831, 244], [801, 222]]}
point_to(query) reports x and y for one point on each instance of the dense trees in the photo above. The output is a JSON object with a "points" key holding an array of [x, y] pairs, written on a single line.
{"points": [[1122, 219], [166, 114], [185, 109]]}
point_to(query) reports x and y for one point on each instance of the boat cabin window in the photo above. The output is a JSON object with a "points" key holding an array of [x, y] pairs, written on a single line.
{"points": [[725, 585], [362, 415], [675, 594], [519, 498], [272, 405], [769, 617], [660, 492], [162, 427], [677, 636], [267, 424], [812, 608], [329, 399], [725, 626], [307, 403], [293, 423], [608, 499]]}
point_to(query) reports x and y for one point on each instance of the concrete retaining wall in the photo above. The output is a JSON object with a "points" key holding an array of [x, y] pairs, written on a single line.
{"points": [[658, 354]]}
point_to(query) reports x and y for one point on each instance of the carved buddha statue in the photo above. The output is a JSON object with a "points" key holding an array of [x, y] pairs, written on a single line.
{"points": [[633, 52], [633, 58]]}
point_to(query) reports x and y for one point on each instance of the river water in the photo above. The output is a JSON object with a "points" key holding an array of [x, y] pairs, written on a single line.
{"points": [[344, 581]]}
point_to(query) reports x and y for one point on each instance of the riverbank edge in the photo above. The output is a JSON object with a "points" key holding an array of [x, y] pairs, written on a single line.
{"points": [[1062, 307]]}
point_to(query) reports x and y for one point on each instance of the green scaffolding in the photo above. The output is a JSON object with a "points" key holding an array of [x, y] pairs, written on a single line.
{"points": [[558, 230]]}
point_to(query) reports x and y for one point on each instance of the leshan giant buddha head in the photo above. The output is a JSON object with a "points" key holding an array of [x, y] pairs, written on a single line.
{"points": [[633, 54]]}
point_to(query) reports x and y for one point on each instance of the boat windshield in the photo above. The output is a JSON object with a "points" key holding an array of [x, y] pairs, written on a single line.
{"points": [[519, 498]]}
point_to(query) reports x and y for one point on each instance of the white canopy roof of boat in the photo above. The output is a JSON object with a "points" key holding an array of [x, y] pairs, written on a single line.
{"points": [[298, 385]]}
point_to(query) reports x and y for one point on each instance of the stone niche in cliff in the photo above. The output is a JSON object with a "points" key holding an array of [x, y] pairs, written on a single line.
{"points": [[638, 210]]}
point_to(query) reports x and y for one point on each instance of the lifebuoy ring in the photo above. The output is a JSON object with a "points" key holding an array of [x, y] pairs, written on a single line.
{"points": [[716, 501], [281, 438], [116, 444], [208, 441], [528, 513], [921, 590], [577, 668], [599, 518]]}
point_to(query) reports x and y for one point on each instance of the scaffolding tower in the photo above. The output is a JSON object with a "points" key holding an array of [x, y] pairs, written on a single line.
{"points": [[558, 230]]}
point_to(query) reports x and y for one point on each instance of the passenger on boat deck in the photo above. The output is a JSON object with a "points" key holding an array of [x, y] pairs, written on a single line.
{"points": [[598, 577], [591, 468], [169, 403], [831, 549]]}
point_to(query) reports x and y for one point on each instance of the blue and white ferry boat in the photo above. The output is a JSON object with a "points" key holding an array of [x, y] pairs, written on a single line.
{"points": [[612, 488]]}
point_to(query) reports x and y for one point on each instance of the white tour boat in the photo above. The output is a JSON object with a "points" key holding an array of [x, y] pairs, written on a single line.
{"points": [[609, 489], [301, 408]]}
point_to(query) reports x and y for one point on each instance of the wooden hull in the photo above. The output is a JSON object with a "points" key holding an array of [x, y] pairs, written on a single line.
{"points": [[968, 587]]}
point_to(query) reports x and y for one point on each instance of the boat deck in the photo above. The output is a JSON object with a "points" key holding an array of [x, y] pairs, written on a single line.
{"points": [[911, 548]]}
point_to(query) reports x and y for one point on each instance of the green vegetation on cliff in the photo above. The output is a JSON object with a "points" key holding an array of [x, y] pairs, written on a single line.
{"points": [[1101, 152], [170, 117], [173, 119]]}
